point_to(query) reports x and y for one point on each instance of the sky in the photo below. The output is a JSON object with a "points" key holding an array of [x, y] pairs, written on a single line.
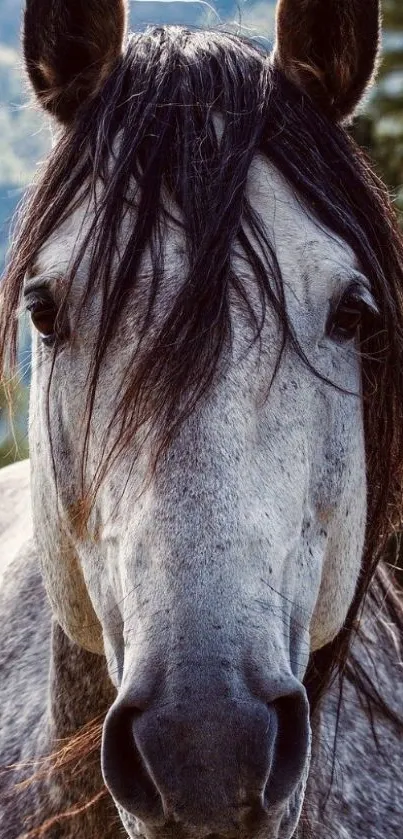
{"points": [[254, 17]]}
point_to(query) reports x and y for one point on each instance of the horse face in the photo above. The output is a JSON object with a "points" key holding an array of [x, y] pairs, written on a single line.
{"points": [[207, 574], [210, 579]]}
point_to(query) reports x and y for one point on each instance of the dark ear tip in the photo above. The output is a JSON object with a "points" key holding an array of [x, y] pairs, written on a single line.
{"points": [[70, 48], [313, 84], [329, 49], [63, 101]]}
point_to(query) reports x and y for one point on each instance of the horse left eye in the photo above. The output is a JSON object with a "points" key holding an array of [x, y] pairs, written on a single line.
{"points": [[345, 320]]}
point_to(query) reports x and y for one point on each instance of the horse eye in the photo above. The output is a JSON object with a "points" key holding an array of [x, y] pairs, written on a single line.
{"points": [[43, 313], [355, 306]]}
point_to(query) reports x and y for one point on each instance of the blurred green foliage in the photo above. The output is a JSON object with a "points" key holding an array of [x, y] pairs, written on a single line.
{"points": [[13, 410], [380, 127]]}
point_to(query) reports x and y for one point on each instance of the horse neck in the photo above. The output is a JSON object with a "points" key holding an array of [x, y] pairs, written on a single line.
{"points": [[80, 693]]}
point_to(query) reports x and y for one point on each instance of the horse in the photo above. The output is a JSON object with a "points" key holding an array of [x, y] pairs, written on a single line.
{"points": [[201, 638]]}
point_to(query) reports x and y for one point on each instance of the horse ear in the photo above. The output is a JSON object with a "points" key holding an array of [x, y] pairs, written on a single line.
{"points": [[329, 48], [70, 47]]}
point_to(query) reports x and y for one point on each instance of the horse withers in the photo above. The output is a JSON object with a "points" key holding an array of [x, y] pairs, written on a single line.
{"points": [[214, 277]]}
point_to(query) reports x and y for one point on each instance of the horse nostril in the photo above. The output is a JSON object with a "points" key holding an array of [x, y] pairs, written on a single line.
{"points": [[221, 770], [291, 747], [124, 771]]}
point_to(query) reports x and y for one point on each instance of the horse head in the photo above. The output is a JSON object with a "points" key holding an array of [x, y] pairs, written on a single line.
{"points": [[202, 276]]}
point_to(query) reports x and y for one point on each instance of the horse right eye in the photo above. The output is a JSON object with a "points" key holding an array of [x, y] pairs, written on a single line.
{"points": [[43, 311]]}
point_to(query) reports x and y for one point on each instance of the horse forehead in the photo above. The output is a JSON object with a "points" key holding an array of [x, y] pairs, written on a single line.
{"points": [[308, 253]]}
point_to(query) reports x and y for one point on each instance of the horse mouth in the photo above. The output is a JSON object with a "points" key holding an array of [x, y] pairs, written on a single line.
{"points": [[279, 825]]}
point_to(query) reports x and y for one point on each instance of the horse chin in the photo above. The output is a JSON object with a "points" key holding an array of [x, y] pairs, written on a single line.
{"points": [[280, 823]]}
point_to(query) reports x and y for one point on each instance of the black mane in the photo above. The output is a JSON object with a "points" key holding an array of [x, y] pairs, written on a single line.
{"points": [[161, 100]]}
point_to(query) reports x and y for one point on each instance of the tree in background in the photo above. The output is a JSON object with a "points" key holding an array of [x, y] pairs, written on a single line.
{"points": [[380, 131], [380, 128]]}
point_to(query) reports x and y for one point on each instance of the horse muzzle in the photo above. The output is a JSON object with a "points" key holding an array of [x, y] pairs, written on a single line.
{"points": [[215, 763]]}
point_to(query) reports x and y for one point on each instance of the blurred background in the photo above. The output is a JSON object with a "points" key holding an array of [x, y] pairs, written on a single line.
{"points": [[24, 134]]}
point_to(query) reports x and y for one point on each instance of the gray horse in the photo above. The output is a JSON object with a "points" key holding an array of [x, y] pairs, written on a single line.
{"points": [[214, 277]]}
